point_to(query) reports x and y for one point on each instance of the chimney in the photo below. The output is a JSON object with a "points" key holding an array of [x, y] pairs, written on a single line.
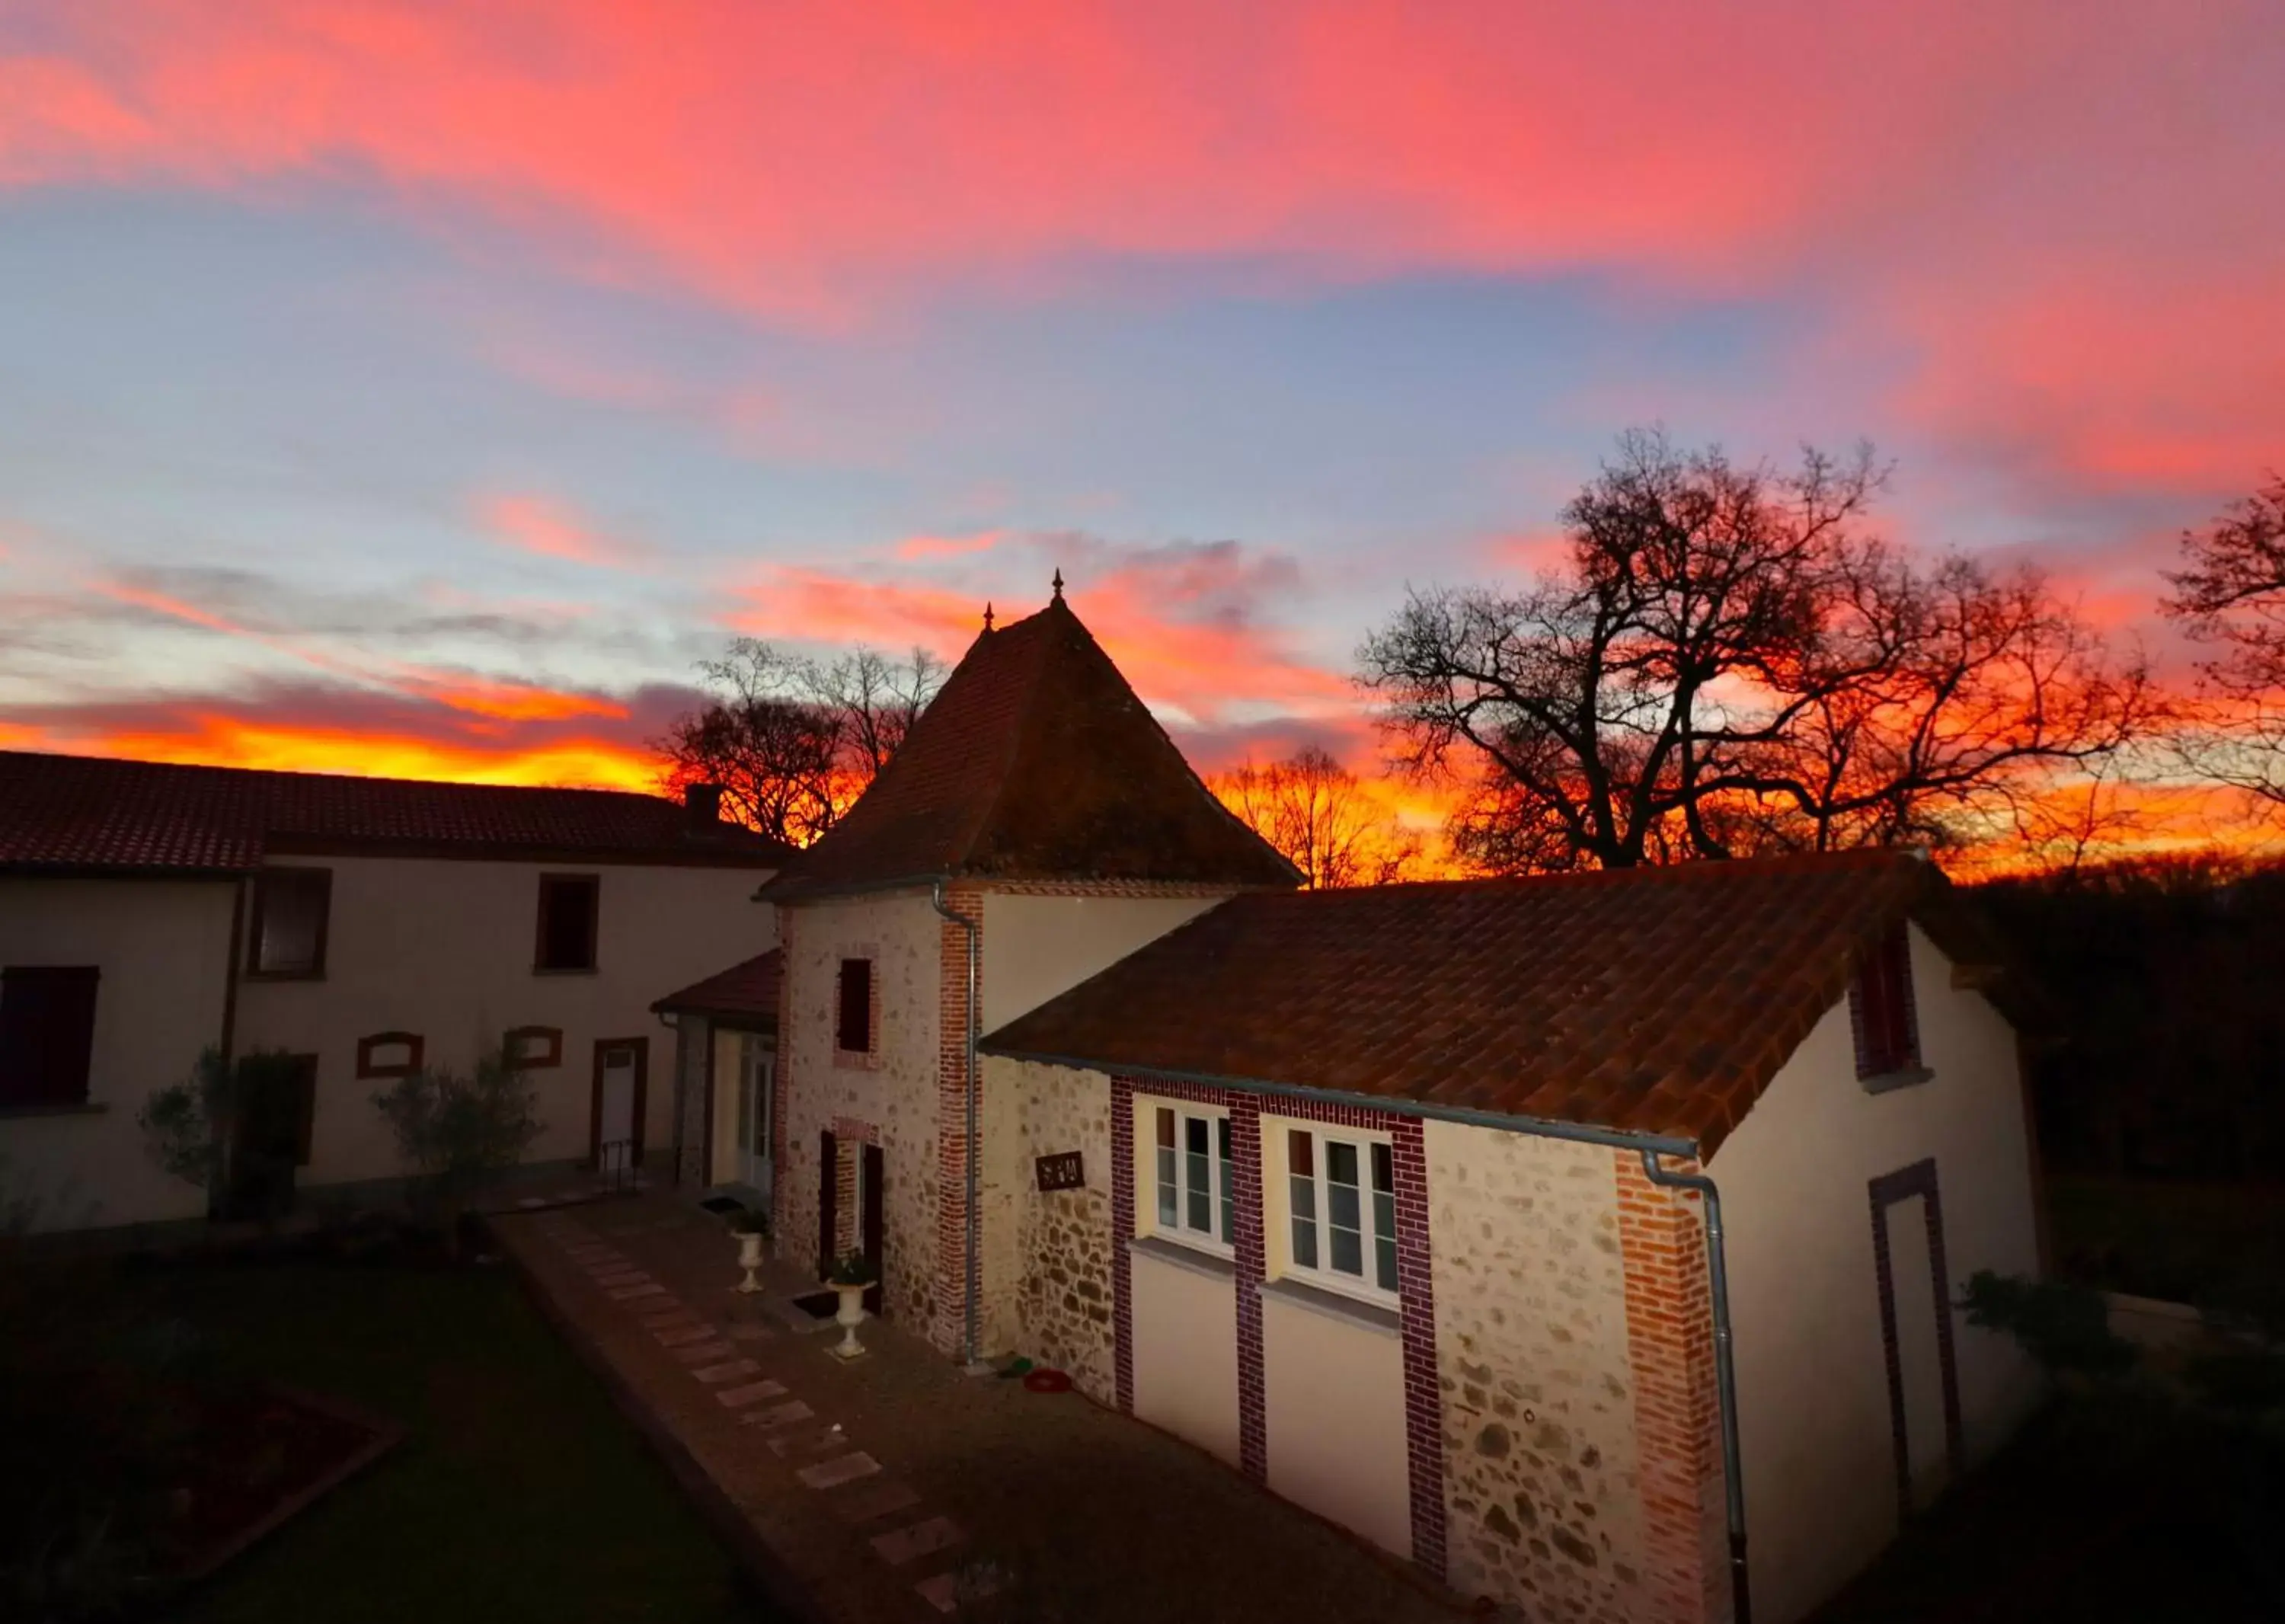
{"points": [[703, 804]]}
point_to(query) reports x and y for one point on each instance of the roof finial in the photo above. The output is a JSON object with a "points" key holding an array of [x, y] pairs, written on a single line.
{"points": [[987, 615], [1059, 581]]}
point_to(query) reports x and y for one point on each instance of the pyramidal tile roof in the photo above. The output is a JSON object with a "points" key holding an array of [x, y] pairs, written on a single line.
{"points": [[1653, 1001], [99, 814], [1036, 761]]}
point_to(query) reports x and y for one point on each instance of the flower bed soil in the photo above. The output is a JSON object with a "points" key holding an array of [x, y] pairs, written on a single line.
{"points": [[260, 1454]]}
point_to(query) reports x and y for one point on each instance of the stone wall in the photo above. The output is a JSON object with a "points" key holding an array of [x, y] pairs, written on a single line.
{"points": [[896, 1095], [1540, 1449], [1053, 1248]]}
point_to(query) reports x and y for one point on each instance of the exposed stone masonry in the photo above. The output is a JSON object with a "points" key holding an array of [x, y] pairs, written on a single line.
{"points": [[1063, 1295], [1532, 1355]]}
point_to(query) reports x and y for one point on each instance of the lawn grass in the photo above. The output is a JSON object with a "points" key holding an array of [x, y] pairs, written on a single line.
{"points": [[519, 1493]]}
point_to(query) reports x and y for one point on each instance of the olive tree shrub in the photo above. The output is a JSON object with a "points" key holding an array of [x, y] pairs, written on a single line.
{"points": [[459, 1133]]}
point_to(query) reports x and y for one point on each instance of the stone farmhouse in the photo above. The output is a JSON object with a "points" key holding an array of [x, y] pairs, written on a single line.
{"points": [[367, 926], [1589, 1242]]}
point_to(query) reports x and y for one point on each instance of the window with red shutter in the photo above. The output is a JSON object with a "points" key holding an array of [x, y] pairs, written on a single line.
{"points": [[47, 1034], [854, 1028], [1881, 1011]]}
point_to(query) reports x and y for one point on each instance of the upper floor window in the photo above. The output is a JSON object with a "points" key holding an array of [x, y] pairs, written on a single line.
{"points": [[292, 907], [1341, 1203], [567, 904], [852, 1024], [47, 1034], [1192, 1172], [1881, 1011]]}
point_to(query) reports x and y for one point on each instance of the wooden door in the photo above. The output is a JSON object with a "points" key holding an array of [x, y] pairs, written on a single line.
{"points": [[276, 1116], [620, 1098], [828, 1195]]}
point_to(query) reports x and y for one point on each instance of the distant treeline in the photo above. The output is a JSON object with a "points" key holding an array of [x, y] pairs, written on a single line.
{"points": [[2166, 979]]}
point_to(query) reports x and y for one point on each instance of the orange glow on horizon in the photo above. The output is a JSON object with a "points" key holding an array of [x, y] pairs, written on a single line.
{"points": [[218, 740]]}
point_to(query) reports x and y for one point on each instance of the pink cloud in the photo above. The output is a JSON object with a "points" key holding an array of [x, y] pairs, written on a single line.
{"points": [[1199, 629], [949, 546], [498, 699], [535, 524], [2051, 213]]}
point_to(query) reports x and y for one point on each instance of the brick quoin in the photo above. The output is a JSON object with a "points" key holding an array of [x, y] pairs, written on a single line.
{"points": [[1677, 1400], [850, 1137], [1252, 1248], [782, 1078], [951, 1325], [1122, 1227], [1424, 1398]]}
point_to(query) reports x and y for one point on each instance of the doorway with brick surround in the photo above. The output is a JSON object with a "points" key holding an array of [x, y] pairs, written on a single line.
{"points": [[1909, 1269]]}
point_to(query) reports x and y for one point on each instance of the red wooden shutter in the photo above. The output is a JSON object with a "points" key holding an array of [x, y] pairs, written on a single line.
{"points": [[1880, 1008], [47, 1033], [854, 1035]]}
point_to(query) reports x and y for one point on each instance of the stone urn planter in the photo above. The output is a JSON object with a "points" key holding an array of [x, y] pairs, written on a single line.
{"points": [[753, 1248], [850, 1279]]}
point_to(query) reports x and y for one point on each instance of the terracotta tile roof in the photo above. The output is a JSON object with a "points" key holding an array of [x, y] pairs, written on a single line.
{"points": [[1658, 1002], [747, 991], [1037, 761], [94, 815]]}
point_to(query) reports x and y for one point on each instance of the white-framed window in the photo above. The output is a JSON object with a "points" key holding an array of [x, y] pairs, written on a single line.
{"points": [[1340, 1209], [1190, 1173]]}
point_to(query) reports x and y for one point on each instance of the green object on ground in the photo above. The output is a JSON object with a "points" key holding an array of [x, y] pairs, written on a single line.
{"points": [[1014, 1368]]}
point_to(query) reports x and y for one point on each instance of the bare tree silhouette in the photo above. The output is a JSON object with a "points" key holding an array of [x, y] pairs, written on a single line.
{"points": [[2230, 595], [1728, 661], [793, 741]]}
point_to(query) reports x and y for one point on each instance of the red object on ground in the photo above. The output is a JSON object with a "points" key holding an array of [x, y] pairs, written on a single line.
{"points": [[1046, 1381]]}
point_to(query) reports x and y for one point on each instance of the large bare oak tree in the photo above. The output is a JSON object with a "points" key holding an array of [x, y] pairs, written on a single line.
{"points": [[1729, 660], [793, 741], [2230, 595]]}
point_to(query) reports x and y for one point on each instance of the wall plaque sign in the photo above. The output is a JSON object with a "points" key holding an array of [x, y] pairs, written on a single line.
{"points": [[1064, 1170]]}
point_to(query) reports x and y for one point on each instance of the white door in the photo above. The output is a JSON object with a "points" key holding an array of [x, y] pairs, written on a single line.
{"points": [[757, 1074], [615, 1112]]}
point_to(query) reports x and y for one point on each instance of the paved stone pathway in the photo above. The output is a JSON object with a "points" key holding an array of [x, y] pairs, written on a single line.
{"points": [[826, 1459], [898, 1487]]}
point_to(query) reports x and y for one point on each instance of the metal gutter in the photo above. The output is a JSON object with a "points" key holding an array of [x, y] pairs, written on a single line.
{"points": [[1726, 1374], [971, 1088], [1617, 1139]]}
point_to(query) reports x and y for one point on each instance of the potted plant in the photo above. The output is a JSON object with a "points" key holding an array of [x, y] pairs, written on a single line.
{"points": [[850, 1278], [752, 1230]]}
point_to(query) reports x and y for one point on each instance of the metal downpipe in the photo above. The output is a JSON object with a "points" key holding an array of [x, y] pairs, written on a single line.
{"points": [[968, 1280], [1725, 1373]]}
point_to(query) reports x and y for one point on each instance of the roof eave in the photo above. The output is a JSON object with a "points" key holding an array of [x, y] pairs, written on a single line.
{"points": [[831, 889], [1544, 1127], [125, 871]]}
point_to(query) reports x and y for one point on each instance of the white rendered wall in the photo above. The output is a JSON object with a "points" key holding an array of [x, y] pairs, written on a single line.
{"points": [[444, 948], [1334, 1408], [1812, 1382], [1185, 1346], [1035, 947], [163, 949]]}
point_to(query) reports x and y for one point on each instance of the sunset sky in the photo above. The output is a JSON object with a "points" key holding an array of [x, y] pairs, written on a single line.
{"points": [[423, 388]]}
